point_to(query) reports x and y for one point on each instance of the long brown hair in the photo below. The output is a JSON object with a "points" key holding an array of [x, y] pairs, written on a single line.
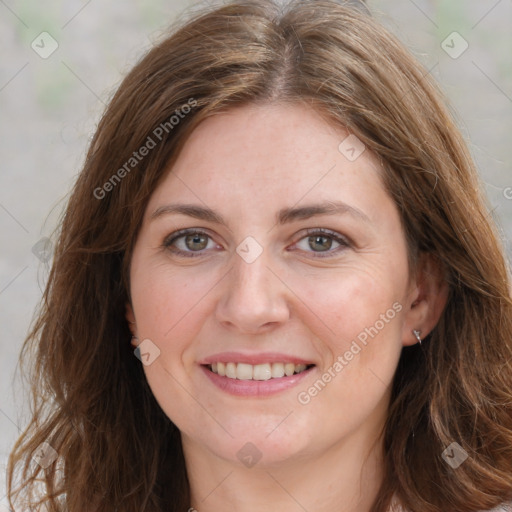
{"points": [[91, 403]]}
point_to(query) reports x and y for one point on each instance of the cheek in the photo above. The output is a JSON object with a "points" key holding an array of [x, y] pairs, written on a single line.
{"points": [[358, 321], [345, 306], [170, 307], [168, 301]]}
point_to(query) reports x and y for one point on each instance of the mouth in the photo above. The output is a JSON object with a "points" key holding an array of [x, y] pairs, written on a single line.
{"points": [[255, 376], [257, 372]]}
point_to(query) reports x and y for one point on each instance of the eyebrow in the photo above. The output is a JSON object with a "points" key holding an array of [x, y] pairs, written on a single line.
{"points": [[284, 216]]}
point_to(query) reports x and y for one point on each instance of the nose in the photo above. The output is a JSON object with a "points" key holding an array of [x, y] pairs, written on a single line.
{"points": [[253, 299]]}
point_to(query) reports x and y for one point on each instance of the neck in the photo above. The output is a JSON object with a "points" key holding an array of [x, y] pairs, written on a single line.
{"points": [[344, 478]]}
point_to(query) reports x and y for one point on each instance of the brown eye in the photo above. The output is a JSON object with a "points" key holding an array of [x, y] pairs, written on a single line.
{"points": [[189, 243], [196, 241], [320, 243]]}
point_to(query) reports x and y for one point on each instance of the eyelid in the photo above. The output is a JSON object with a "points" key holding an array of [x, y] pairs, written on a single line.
{"points": [[330, 232], [186, 231], [175, 235], [343, 240]]}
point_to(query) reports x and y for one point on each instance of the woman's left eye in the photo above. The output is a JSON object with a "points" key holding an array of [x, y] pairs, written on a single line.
{"points": [[322, 241], [193, 242]]}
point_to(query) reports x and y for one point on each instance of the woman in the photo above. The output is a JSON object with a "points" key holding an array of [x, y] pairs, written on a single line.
{"points": [[277, 286]]}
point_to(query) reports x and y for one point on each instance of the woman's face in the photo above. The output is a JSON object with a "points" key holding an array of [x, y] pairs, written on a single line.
{"points": [[272, 253]]}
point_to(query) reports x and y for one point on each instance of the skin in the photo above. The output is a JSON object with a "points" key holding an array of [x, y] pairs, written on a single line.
{"points": [[246, 165]]}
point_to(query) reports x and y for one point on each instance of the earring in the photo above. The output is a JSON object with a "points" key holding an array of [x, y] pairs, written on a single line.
{"points": [[136, 342], [417, 334]]}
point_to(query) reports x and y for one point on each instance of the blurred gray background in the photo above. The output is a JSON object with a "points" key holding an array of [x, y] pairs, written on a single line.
{"points": [[61, 61]]}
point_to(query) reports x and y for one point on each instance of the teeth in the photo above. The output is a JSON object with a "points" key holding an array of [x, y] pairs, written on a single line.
{"points": [[289, 368], [231, 370], [261, 372], [277, 370], [266, 371], [243, 371]]}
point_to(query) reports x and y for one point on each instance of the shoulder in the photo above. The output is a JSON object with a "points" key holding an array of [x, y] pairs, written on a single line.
{"points": [[504, 507]]}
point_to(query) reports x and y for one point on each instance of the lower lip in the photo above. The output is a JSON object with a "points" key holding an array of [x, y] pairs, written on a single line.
{"points": [[255, 387]]}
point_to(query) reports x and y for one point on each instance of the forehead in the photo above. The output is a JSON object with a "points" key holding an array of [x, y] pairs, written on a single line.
{"points": [[271, 156]]}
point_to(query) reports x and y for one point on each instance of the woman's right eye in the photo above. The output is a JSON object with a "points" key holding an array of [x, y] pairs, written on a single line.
{"points": [[189, 242]]}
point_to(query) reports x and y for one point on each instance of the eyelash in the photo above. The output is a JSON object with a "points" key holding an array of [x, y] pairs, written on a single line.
{"points": [[173, 237]]}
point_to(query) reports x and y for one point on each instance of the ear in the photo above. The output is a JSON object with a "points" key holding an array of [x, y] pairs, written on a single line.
{"points": [[130, 317], [427, 299]]}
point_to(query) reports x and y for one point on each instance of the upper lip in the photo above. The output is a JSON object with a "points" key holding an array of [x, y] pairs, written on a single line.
{"points": [[260, 358]]}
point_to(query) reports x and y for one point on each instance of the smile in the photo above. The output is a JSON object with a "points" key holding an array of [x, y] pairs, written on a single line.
{"points": [[260, 379], [265, 371]]}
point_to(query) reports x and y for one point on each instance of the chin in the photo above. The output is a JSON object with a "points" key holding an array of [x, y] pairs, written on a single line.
{"points": [[267, 444]]}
